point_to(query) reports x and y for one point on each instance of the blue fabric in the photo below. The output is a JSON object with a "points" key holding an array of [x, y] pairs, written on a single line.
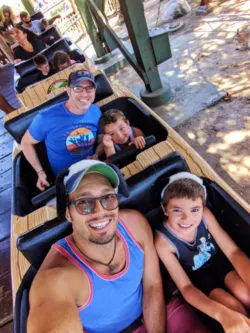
{"points": [[192, 256], [68, 137], [117, 300]]}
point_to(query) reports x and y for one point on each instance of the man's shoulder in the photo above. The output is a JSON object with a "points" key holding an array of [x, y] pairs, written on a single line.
{"points": [[136, 223], [52, 110], [94, 107]]}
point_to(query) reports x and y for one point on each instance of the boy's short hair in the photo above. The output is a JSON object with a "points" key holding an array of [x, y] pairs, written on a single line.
{"points": [[184, 188], [110, 116], [60, 57], [40, 60]]}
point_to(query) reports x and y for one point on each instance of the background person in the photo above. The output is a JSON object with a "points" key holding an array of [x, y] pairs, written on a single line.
{"points": [[29, 44], [35, 26], [42, 64], [7, 24], [61, 60]]}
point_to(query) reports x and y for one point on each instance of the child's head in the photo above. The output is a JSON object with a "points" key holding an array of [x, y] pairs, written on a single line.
{"points": [[183, 200], [41, 63], [184, 185], [115, 123], [61, 60], [44, 23]]}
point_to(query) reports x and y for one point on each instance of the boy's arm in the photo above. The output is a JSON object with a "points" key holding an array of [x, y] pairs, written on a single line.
{"points": [[230, 320], [138, 141], [237, 257], [108, 145]]}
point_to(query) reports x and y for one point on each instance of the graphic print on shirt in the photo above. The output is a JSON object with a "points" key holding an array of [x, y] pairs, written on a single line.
{"points": [[205, 249], [80, 140]]}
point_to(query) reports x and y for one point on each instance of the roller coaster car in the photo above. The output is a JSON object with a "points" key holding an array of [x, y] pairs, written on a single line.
{"points": [[26, 197], [144, 195], [27, 70]]}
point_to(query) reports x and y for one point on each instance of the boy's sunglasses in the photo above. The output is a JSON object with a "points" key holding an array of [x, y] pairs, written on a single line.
{"points": [[87, 206]]}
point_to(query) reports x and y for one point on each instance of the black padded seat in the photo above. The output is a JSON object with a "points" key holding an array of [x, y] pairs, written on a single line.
{"points": [[37, 16], [139, 117], [144, 195], [51, 32], [27, 70], [145, 189], [25, 67]]}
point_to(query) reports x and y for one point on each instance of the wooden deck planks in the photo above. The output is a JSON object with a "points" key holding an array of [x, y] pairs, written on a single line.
{"points": [[5, 284]]}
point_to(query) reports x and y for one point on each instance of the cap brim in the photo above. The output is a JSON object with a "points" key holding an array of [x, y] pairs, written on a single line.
{"points": [[73, 182]]}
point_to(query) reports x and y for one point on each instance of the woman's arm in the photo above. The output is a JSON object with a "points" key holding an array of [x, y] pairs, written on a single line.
{"points": [[230, 320]]}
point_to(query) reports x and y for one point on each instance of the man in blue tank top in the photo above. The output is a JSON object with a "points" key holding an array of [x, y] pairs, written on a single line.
{"points": [[105, 276], [69, 129]]}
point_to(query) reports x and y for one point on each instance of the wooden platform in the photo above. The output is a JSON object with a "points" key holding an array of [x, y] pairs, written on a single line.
{"points": [[6, 324]]}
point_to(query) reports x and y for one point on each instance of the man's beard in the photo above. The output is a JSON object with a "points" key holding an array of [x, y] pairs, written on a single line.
{"points": [[103, 241], [107, 239]]}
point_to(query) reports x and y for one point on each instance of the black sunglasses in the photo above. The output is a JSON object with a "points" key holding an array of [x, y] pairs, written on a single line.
{"points": [[86, 206]]}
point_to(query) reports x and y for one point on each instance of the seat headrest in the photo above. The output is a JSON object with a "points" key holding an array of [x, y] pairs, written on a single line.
{"points": [[37, 16], [51, 32], [18, 125], [145, 189], [59, 45]]}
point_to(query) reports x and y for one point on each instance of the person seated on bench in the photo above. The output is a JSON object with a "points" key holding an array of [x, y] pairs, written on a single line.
{"points": [[29, 44], [208, 268], [7, 24], [118, 134], [35, 26], [61, 60], [42, 64], [69, 129], [105, 276]]}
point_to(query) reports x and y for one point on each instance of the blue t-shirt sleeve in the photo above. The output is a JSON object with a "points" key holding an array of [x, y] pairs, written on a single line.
{"points": [[99, 113], [38, 127]]}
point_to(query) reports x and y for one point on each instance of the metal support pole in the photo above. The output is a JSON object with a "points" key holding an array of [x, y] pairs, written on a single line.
{"points": [[28, 6], [134, 17], [91, 28]]}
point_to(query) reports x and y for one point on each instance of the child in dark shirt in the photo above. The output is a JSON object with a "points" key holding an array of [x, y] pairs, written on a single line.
{"points": [[201, 257], [42, 64], [118, 134]]}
